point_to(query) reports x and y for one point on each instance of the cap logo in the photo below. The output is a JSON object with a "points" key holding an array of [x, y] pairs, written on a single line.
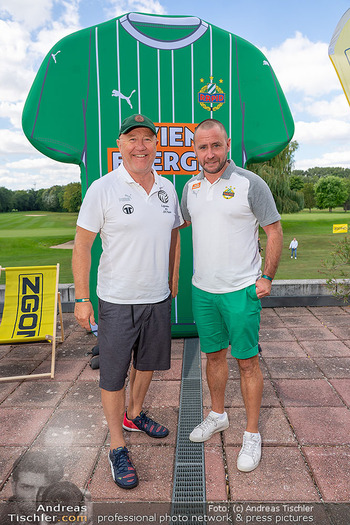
{"points": [[139, 118]]}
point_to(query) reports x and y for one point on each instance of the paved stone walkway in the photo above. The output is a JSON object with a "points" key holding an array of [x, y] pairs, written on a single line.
{"points": [[305, 416]]}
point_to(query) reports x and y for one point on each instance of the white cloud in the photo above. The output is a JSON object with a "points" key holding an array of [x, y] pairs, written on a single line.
{"points": [[303, 66], [332, 158], [337, 107], [41, 177], [325, 130], [13, 112], [33, 14], [119, 7], [14, 142]]}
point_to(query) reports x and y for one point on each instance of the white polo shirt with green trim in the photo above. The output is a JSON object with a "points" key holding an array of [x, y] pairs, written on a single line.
{"points": [[225, 218], [135, 229]]}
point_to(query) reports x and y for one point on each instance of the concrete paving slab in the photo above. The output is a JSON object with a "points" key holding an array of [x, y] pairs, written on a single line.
{"points": [[342, 332], [155, 476], [293, 311], [6, 388], [342, 386], [29, 352], [216, 487], [177, 348], [321, 311], [320, 425], [302, 321], [65, 370], [83, 394], [163, 394], [88, 374], [334, 366], [273, 425], [8, 455], [282, 476], [169, 375], [276, 334], [331, 468], [312, 333], [37, 394], [282, 349], [78, 463], [4, 350], [332, 321], [75, 426], [16, 367], [306, 392], [326, 348], [290, 368], [20, 426]]}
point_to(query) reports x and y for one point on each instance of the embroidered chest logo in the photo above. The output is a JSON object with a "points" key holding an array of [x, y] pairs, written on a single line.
{"points": [[211, 97], [228, 193], [163, 196], [128, 209], [196, 186]]}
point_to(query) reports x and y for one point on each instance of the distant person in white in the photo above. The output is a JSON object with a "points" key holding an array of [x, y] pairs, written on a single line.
{"points": [[293, 247]]}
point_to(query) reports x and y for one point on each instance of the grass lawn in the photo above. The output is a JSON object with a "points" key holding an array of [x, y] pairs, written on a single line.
{"points": [[26, 239], [314, 232]]}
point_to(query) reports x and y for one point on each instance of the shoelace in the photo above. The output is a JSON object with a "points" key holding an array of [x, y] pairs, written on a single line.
{"points": [[122, 460], [207, 421], [145, 420], [249, 446]]}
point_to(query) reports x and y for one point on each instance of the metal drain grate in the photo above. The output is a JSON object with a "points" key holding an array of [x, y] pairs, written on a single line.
{"points": [[189, 473]]}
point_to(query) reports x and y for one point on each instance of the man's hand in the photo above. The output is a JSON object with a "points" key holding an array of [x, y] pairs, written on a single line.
{"points": [[263, 287], [84, 314]]}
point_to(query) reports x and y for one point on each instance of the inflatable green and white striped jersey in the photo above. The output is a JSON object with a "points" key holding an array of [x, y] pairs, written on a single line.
{"points": [[176, 70]]}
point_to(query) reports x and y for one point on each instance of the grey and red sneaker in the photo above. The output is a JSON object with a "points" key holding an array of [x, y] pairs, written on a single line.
{"points": [[143, 423]]}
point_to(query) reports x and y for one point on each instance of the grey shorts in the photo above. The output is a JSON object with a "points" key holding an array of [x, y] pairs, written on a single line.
{"points": [[141, 332]]}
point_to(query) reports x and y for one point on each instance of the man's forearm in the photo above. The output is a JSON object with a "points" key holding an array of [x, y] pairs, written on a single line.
{"points": [[273, 251], [174, 262]]}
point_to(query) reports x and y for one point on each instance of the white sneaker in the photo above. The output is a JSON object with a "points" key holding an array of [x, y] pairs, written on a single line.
{"points": [[209, 427], [250, 453]]}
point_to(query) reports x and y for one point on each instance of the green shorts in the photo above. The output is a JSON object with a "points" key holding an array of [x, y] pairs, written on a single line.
{"points": [[226, 318]]}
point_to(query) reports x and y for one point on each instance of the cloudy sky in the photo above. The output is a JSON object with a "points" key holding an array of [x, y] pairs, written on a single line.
{"points": [[293, 35]]}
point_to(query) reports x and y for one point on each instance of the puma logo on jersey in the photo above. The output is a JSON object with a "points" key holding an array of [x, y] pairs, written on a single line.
{"points": [[54, 56], [116, 93]]}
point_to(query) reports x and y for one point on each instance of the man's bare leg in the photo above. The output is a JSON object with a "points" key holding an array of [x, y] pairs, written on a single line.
{"points": [[113, 407], [252, 383]]}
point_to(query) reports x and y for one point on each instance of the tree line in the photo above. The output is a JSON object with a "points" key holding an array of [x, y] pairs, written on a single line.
{"points": [[56, 198], [293, 190]]}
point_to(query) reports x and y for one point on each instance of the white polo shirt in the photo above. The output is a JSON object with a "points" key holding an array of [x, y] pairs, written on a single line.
{"points": [[135, 229], [225, 219]]}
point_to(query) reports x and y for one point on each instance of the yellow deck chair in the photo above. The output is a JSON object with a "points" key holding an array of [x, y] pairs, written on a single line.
{"points": [[30, 310]]}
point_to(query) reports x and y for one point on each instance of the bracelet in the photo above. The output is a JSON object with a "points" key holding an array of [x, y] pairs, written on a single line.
{"points": [[267, 277], [84, 300]]}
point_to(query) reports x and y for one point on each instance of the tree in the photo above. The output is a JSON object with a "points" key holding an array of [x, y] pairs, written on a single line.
{"points": [[276, 173], [296, 182], [347, 202], [6, 200], [52, 198], [330, 192], [309, 195], [72, 197], [21, 200]]}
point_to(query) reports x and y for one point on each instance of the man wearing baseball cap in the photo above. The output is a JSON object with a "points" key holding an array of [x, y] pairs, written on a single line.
{"points": [[137, 214]]}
